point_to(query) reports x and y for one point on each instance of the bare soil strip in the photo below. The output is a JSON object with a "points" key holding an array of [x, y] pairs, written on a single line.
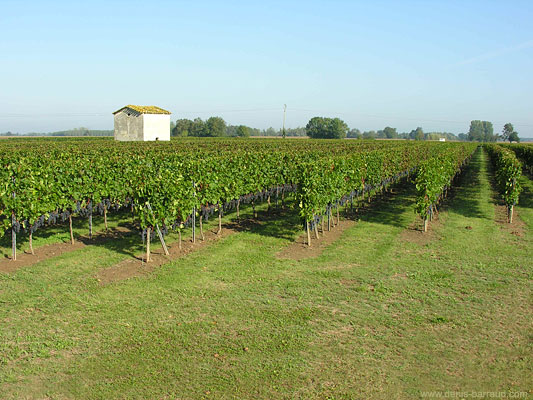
{"points": [[26, 259], [414, 233], [138, 266], [517, 228]]}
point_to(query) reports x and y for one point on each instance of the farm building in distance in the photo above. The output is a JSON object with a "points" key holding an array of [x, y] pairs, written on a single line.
{"points": [[142, 123]]}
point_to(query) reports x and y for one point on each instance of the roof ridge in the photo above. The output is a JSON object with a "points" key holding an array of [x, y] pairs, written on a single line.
{"points": [[144, 109]]}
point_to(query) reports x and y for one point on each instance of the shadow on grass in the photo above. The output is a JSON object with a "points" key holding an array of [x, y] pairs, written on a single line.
{"points": [[278, 222], [387, 208], [282, 223], [127, 243], [526, 197], [465, 192], [123, 241]]}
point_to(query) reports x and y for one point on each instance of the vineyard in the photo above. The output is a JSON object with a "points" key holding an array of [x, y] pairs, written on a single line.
{"points": [[328, 268], [179, 185]]}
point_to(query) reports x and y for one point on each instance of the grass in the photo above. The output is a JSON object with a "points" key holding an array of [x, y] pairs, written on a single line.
{"points": [[375, 315]]}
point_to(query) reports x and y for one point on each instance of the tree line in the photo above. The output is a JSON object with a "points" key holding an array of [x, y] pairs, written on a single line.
{"points": [[212, 127], [483, 131], [82, 131], [317, 128]]}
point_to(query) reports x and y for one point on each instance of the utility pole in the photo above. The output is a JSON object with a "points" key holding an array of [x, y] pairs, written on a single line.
{"points": [[284, 112]]}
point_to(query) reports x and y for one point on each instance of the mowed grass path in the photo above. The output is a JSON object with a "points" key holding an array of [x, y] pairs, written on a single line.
{"points": [[374, 316]]}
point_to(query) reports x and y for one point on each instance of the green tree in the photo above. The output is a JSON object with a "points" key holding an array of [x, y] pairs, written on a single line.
{"points": [[481, 131], [513, 137], [270, 132], [337, 128], [316, 128], [369, 135], [215, 127], [182, 127], [475, 133], [243, 131], [198, 128], [326, 128], [488, 132], [390, 133], [509, 134], [417, 134], [354, 133]]}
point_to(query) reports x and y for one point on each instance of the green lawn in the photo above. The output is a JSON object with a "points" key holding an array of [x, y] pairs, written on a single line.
{"points": [[376, 315]]}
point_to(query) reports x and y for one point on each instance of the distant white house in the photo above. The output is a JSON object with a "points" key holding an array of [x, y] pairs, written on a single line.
{"points": [[142, 123], [442, 139]]}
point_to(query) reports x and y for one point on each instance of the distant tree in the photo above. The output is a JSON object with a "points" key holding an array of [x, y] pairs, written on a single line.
{"points": [[270, 132], [481, 131], [354, 133], [300, 131], [463, 137], [370, 135], [326, 128], [243, 131], [337, 128], [316, 128], [417, 134], [475, 133], [509, 134], [198, 128], [182, 127], [390, 133], [215, 127], [513, 137], [488, 131]]}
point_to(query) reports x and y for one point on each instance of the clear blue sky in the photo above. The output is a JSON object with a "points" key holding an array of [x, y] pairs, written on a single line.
{"points": [[372, 63]]}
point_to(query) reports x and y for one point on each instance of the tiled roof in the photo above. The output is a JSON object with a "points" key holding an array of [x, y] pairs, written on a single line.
{"points": [[144, 109]]}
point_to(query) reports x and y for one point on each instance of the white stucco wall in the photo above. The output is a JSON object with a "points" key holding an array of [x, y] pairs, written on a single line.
{"points": [[156, 126], [128, 127], [141, 126]]}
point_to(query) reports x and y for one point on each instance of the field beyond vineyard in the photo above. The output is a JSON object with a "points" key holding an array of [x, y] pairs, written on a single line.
{"points": [[380, 309]]}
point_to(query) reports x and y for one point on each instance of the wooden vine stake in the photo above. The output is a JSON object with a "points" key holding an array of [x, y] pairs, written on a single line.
{"points": [[179, 241], [238, 204], [159, 233], [31, 242], [70, 226], [308, 233], [13, 238], [194, 224], [13, 234], [511, 209], [201, 228], [148, 234], [322, 224], [426, 224], [316, 231], [219, 220], [105, 217], [90, 225]]}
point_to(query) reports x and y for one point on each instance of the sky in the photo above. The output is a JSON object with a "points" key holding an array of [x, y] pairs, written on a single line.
{"points": [[404, 64]]}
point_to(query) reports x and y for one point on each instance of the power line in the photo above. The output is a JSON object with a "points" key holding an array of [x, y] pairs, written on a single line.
{"points": [[320, 112]]}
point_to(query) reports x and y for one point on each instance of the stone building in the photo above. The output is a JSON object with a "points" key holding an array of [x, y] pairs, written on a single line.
{"points": [[142, 123]]}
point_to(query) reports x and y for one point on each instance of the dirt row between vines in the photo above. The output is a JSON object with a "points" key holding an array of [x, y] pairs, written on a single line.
{"points": [[42, 253], [137, 266]]}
